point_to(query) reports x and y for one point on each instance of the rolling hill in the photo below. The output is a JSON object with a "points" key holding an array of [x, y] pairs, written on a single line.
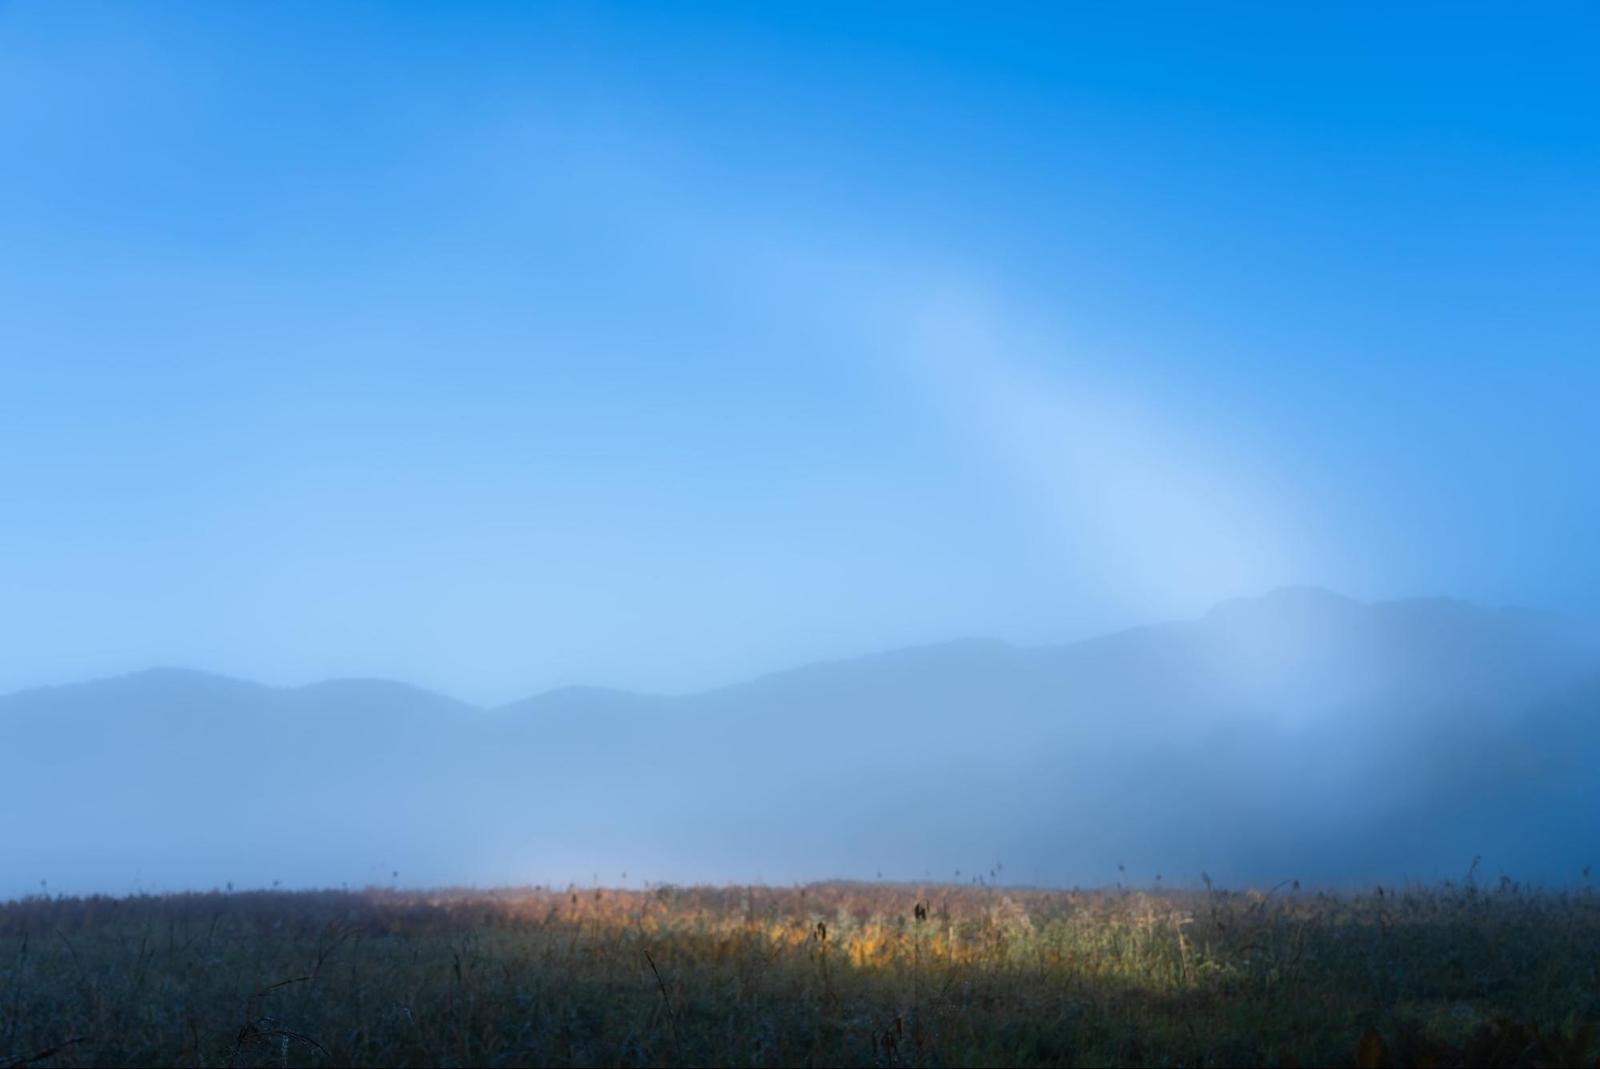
{"points": [[1298, 735]]}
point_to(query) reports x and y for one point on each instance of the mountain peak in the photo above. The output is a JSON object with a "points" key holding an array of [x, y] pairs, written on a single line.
{"points": [[171, 680]]}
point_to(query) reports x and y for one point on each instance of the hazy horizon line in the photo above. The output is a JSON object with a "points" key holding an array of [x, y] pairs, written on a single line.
{"points": [[883, 651]]}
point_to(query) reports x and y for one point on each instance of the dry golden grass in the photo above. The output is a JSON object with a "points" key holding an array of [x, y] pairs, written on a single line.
{"points": [[835, 974]]}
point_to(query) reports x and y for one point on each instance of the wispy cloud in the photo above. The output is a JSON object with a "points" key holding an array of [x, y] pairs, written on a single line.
{"points": [[1144, 504]]}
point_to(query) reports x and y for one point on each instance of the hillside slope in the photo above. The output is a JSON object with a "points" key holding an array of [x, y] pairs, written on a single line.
{"points": [[1299, 735]]}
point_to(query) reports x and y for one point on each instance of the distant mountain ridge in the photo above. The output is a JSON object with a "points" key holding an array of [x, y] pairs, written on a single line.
{"points": [[1298, 599], [1301, 733]]}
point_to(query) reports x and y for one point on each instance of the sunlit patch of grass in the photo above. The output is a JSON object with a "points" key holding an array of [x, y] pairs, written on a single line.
{"points": [[830, 974]]}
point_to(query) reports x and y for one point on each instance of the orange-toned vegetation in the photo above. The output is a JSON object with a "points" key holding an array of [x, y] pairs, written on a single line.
{"points": [[835, 974]]}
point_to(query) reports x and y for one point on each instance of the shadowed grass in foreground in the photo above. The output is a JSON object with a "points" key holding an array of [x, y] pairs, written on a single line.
{"points": [[836, 974]]}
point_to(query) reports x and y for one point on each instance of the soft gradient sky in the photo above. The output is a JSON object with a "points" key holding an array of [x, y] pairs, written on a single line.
{"points": [[496, 347]]}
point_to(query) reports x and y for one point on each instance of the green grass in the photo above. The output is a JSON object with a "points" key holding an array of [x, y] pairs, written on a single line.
{"points": [[835, 974]]}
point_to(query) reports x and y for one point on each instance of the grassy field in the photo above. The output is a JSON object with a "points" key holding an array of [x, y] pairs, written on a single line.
{"points": [[835, 974]]}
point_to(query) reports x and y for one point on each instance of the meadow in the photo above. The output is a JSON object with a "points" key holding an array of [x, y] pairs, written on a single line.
{"points": [[830, 974]]}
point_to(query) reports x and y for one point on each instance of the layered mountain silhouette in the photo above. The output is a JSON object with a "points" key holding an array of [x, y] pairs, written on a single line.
{"points": [[1301, 735]]}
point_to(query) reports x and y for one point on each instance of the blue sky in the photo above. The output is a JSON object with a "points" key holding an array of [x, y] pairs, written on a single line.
{"points": [[497, 347]]}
